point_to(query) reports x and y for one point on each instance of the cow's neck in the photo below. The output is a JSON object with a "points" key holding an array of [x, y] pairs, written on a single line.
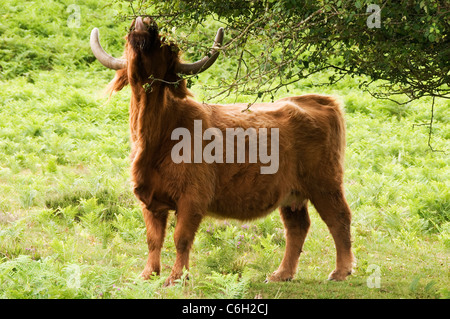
{"points": [[148, 116]]}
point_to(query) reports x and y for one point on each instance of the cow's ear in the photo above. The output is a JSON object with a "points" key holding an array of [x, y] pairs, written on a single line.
{"points": [[177, 85], [118, 83]]}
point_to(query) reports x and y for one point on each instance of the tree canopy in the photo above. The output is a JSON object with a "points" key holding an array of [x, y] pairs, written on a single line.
{"points": [[401, 47]]}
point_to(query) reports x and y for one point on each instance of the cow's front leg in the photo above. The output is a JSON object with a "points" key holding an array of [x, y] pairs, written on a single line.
{"points": [[155, 222], [188, 221]]}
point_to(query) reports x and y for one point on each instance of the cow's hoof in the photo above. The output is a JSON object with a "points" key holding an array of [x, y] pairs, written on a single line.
{"points": [[148, 274], [170, 281], [339, 275], [174, 279], [279, 276]]}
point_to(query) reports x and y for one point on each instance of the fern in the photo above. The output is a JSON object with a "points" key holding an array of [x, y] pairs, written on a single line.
{"points": [[227, 286]]}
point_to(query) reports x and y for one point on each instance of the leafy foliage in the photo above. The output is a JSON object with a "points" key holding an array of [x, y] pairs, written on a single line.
{"points": [[277, 42]]}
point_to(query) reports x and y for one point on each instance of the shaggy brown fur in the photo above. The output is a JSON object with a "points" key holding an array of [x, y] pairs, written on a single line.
{"points": [[311, 154]]}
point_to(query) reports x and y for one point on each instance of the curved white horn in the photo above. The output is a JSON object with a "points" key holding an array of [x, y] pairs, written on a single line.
{"points": [[206, 62], [103, 57]]}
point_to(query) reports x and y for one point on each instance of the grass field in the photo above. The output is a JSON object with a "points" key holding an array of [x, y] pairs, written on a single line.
{"points": [[70, 226]]}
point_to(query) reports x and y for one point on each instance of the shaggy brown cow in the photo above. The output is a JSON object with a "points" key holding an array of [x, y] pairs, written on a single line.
{"points": [[310, 164]]}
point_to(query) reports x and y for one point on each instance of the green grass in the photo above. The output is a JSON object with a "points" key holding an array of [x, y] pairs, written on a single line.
{"points": [[70, 226]]}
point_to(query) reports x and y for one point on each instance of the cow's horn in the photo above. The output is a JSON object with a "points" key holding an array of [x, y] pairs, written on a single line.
{"points": [[206, 62], [102, 56]]}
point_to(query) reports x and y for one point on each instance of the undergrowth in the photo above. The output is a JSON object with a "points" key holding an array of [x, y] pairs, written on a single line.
{"points": [[70, 226]]}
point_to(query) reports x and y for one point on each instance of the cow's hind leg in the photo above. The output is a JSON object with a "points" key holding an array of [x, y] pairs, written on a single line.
{"points": [[296, 223], [188, 221], [155, 222], [334, 210]]}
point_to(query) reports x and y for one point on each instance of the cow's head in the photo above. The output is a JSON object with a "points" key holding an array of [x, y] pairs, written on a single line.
{"points": [[149, 57]]}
